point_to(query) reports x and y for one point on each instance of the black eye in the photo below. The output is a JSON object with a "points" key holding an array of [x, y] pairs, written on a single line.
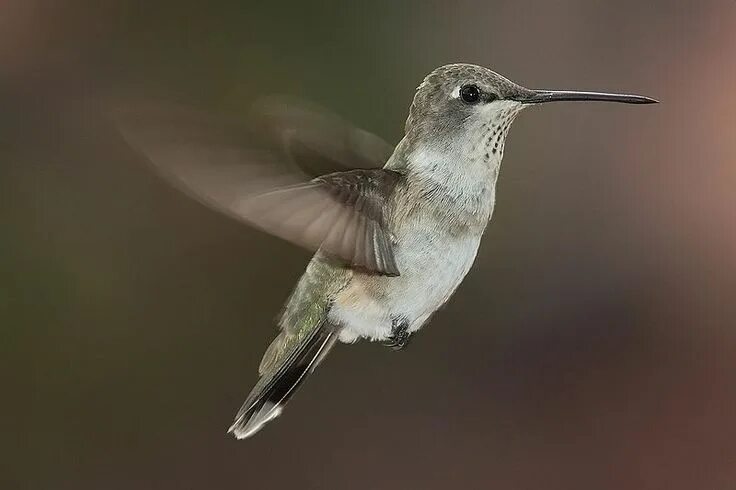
{"points": [[470, 94]]}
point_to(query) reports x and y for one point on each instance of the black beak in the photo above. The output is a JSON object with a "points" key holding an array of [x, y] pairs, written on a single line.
{"points": [[542, 96]]}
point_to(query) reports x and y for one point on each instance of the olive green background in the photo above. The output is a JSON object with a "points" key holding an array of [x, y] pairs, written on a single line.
{"points": [[591, 347]]}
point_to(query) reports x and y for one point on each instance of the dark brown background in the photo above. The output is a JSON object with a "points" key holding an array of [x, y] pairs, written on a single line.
{"points": [[591, 347]]}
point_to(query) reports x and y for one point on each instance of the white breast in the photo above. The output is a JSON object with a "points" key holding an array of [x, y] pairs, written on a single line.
{"points": [[435, 266], [432, 252], [432, 267]]}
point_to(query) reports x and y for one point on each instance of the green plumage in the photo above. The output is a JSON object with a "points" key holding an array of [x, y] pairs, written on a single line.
{"points": [[305, 311]]}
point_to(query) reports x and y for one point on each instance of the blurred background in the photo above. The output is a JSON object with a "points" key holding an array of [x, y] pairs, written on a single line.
{"points": [[592, 346]]}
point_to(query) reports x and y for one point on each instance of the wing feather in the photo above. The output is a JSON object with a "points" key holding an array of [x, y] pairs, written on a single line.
{"points": [[340, 213]]}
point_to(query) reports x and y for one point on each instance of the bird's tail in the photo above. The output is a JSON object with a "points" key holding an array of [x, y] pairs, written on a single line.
{"points": [[286, 364]]}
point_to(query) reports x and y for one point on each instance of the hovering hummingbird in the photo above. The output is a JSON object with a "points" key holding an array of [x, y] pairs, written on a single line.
{"points": [[393, 238]]}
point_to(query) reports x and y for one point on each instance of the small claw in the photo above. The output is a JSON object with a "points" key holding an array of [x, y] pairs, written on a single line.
{"points": [[400, 336]]}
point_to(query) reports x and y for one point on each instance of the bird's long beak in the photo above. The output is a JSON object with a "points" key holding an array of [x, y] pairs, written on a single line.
{"points": [[542, 96]]}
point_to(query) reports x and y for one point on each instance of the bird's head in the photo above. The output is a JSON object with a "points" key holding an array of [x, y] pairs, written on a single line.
{"points": [[474, 106]]}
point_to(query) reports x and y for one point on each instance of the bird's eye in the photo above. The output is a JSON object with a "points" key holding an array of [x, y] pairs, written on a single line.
{"points": [[470, 94]]}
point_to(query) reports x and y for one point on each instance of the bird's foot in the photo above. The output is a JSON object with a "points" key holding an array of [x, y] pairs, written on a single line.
{"points": [[400, 335]]}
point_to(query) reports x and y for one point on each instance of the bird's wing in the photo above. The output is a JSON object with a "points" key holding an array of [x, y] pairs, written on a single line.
{"points": [[258, 182], [318, 141], [339, 213]]}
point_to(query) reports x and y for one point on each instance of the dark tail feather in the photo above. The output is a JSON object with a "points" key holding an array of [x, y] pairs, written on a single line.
{"points": [[273, 391]]}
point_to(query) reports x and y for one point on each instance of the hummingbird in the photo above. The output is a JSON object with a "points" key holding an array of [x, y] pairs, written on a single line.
{"points": [[394, 230]]}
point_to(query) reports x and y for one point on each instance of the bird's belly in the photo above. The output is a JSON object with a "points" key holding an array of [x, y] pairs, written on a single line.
{"points": [[431, 268]]}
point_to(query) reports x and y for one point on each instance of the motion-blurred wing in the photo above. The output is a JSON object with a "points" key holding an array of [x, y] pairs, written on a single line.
{"points": [[338, 213], [318, 141]]}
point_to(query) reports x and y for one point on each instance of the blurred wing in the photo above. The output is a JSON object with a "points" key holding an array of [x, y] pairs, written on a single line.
{"points": [[339, 213], [318, 141]]}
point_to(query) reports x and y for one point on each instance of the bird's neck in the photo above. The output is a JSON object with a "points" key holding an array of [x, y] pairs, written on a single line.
{"points": [[458, 178]]}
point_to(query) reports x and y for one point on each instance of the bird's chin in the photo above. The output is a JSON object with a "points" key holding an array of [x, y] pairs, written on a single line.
{"points": [[502, 110]]}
